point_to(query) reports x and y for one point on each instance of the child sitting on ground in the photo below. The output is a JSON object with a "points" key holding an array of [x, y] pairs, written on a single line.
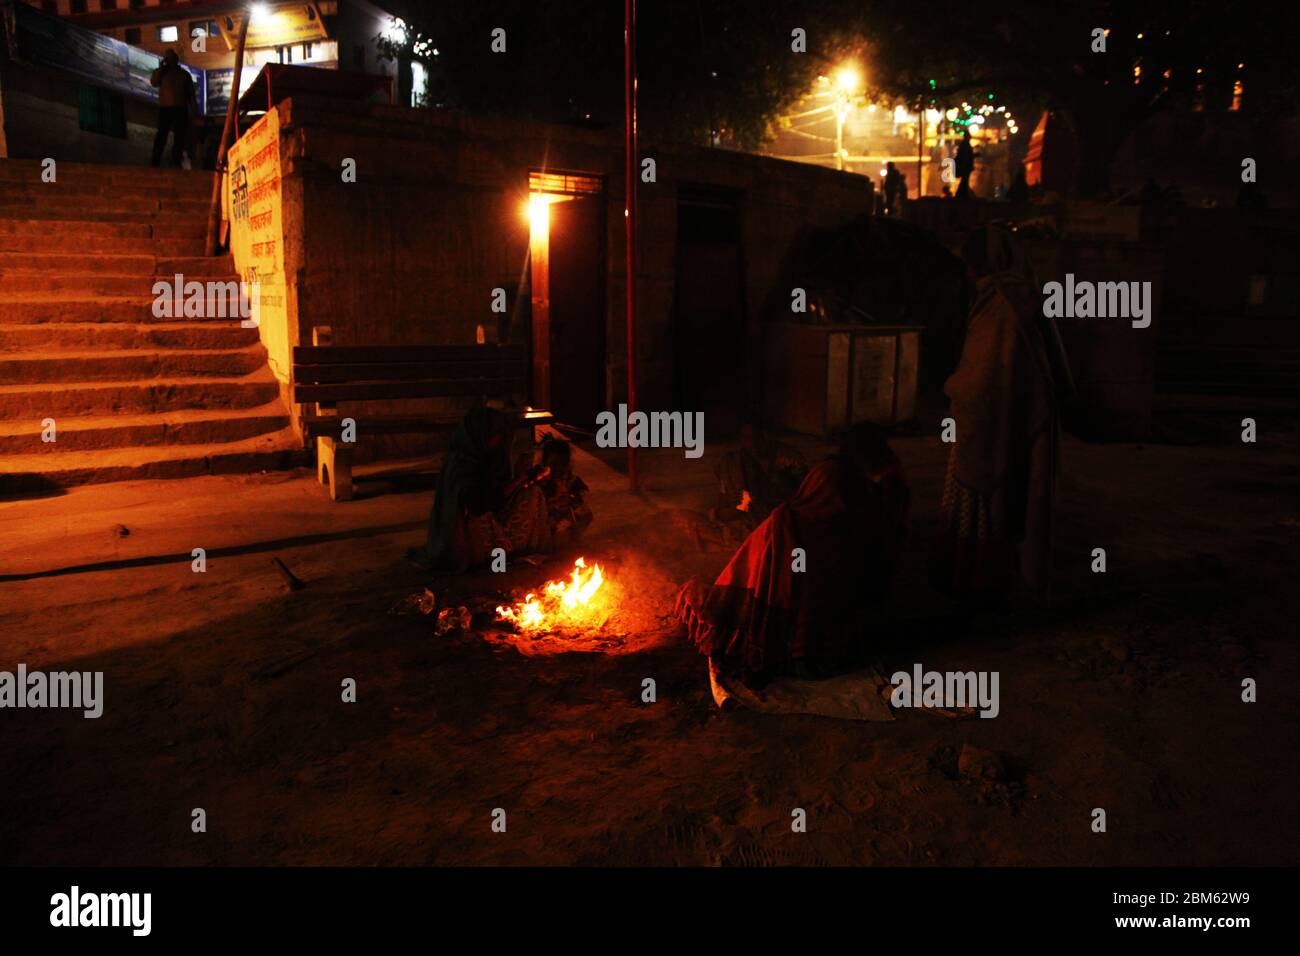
{"points": [[565, 492]]}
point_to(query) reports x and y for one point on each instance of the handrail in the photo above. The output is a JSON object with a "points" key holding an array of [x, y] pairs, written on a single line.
{"points": [[232, 110]]}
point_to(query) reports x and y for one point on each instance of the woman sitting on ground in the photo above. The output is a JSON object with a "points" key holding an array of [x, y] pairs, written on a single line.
{"points": [[479, 506], [799, 595]]}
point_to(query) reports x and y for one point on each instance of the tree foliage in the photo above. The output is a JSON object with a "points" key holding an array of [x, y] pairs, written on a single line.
{"points": [[708, 70]]}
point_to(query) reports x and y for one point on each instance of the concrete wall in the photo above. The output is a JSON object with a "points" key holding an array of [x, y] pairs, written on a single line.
{"points": [[41, 119], [1112, 363], [412, 251]]}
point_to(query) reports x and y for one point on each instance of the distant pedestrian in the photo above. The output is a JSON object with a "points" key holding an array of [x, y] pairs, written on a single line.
{"points": [[895, 188], [175, 96], [965, 165]]}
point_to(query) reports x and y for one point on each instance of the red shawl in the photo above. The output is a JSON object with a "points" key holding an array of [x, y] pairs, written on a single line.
{"points": [[762, 616]]}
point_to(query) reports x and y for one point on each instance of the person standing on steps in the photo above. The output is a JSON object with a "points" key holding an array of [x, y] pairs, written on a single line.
{"points": [[175, 95]]}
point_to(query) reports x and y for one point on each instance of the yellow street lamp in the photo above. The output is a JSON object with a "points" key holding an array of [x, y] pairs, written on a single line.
{"points": [[847, 81]]}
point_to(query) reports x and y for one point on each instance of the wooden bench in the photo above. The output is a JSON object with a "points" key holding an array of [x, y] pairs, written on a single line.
{"points": [[324, 375]]}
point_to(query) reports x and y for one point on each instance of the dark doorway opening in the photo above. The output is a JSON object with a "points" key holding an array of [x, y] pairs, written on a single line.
{"points": [[709, 311]]}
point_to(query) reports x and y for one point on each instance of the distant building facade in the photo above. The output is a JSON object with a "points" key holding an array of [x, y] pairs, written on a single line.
{"points": [[328, 34], [75, 74]]}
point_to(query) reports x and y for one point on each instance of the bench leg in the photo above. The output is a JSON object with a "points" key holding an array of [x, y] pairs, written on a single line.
{"points": [[334, 468]]}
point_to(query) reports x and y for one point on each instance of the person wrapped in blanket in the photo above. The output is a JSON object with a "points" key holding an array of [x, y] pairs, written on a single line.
{"points": [[755, 478], [565, 492], [1006, 395], [480, 506], [799, 595]]}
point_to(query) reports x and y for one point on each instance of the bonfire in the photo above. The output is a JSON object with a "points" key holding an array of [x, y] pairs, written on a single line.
{"points": [[567, 602]]}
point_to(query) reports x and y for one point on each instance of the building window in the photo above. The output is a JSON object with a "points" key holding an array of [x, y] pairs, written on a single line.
{"points": [[201, 28], [108, 4], [133, 36], [50, 6], [99, 111], [77, 6], [137, 4], [169, 33]]}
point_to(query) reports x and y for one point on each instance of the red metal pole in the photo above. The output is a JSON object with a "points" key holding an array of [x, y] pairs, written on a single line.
{"points": [[629, 214]]}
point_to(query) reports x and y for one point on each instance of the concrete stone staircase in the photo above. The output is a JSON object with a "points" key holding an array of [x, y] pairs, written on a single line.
{"points": [[1228, 361], [132, 396]]}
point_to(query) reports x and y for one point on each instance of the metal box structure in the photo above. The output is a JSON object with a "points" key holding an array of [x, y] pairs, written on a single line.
{"points": [[821, 378]]}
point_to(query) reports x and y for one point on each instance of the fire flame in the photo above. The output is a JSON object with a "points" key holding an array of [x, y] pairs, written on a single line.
{"points": [[561, 601]]}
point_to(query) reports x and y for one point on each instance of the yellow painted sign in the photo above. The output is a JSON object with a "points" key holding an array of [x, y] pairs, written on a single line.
{"points": [[253, 204], [277, 26]]}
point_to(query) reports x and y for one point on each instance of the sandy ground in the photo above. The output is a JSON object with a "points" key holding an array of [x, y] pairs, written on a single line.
{"points": [[223, 689]]}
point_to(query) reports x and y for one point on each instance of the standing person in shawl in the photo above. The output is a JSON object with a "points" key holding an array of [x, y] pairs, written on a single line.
{"points": [[996, 517], [762, 618], [479, 507]]}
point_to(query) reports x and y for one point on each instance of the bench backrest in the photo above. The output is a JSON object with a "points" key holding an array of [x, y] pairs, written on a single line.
{"points": [[351, 373]]}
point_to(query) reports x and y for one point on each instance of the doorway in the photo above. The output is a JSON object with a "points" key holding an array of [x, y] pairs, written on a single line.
{"points": [[567, 276], [709, 311]]}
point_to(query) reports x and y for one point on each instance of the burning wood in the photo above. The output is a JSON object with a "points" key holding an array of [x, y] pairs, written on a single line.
{"points": [[561, 603]]}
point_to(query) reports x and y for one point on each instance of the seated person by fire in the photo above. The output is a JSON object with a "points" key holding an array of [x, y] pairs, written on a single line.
{"points": [[796, 596], [483, 504], [755, 478], [565, 492]]}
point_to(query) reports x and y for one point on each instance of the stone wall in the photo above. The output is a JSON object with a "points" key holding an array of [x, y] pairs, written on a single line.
{"points": [[412, 251]]}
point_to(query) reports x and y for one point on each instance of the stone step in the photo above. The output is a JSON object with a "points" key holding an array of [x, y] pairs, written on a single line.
{"points": [[21, 285], [50, 204], [101, 398], [109, 245], [96, 174], [15, 285], [1279, 388], [88, 262], [185, 427], [100, 263], [39, 308], [127, 365], [73, 336], [73, 229], [193, 192], [190, 221], [34, 473]]}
